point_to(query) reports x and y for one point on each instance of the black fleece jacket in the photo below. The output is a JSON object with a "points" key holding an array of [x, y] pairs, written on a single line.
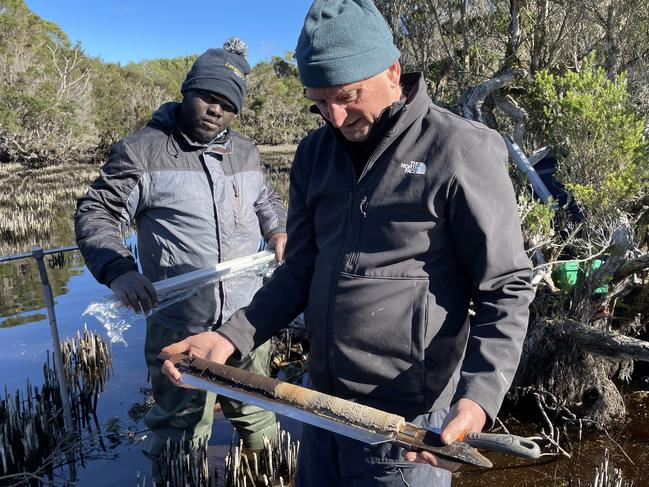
{"points": [[386, 265]]}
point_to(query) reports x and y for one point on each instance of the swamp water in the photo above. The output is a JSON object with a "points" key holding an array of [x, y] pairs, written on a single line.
{"points": [[25, 340]]}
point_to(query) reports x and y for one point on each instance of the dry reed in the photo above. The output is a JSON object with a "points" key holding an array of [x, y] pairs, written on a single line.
{"points": [[33, 440], [608, 476], [34, 202], [274, 465]]}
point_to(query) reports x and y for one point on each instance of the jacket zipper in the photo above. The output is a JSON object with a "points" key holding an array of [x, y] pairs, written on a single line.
{"points": [[363, 209], [379, 148], [221, 258], [237, 204], [355, 256], [363, 205], [338, 268]]}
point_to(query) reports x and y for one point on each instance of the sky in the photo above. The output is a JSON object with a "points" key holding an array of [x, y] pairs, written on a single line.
{"points": [[123, 31]]}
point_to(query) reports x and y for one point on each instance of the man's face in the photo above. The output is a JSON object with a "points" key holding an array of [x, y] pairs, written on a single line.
{"points": [[205, 114], [354, 108]]}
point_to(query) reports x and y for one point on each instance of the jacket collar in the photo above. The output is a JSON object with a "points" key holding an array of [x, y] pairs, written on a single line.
{"points": [[416, 105], [221, 144], [165, 118]]}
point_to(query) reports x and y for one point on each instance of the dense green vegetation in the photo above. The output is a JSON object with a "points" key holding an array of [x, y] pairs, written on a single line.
{"points": [[59, 105], [60, 108], [275, 111], [569, 76]]}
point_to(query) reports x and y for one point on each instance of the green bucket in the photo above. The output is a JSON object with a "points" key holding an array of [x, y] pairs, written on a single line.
{"points": [[564, 274]]}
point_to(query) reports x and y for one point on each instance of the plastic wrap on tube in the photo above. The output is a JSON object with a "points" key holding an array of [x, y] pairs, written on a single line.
{"points": [[117, 318]]}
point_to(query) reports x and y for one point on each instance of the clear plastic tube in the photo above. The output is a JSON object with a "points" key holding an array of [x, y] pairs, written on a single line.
{"points": [[117, 318]]}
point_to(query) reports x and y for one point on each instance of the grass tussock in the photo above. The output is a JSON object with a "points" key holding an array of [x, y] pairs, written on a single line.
{"points": [[36, 205]]}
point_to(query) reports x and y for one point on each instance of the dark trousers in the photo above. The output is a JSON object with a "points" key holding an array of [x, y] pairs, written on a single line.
{"points": [[330, 460]]}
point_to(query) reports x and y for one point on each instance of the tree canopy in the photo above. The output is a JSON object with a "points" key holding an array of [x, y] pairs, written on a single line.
{"points": [[58, 104]]}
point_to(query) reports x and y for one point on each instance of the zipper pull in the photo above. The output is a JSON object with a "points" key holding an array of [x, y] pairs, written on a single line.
{"points": [[236, 210], [363, 206]]}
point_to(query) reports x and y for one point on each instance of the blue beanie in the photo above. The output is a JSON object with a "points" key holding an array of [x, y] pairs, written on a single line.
{"points": [[221, 71], [343, 41]]}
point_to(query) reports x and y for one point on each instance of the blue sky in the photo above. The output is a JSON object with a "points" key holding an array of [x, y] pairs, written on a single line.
{"points": [[123, 31]]}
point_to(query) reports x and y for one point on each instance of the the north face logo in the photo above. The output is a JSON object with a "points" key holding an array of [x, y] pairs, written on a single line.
{"points": [[413, 167]]}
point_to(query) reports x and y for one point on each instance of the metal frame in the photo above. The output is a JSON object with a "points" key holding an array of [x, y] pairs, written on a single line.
{"points": [[38, 254]]}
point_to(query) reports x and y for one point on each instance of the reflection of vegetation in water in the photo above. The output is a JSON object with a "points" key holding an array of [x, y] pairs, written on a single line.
{"points": [[138, 409], [113, 430], [118, 432], [22, 320], [34, 441], [36, 208], [31, 428], [36, 205], [20, 286]]}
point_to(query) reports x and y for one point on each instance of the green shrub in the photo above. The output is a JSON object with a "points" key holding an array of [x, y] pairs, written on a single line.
{"points": [[591, 125]]}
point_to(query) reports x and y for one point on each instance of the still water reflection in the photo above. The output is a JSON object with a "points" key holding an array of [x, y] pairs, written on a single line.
{"points": [[24, 343], [25, 340], [23, 350]]}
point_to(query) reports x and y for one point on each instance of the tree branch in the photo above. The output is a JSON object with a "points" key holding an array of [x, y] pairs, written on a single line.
{"points": [[631, 267], [605, 343], [475, 97]]}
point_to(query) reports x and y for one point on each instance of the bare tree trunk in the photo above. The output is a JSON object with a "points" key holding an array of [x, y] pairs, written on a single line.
{"points": [[472, 101], [512, 110], [540, 35], [630, 267], [514, 30], [611, 43]]}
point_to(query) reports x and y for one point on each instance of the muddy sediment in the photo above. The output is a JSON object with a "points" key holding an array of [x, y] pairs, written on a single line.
{"points": [[334, 407], [307, 399]]}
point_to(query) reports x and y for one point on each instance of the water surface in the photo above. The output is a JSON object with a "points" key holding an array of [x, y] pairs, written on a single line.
{"points": [[25, 340]]}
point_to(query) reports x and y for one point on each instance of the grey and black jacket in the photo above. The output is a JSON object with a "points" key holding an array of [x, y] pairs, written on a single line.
{"points": [[194, 206], [386, 265]]}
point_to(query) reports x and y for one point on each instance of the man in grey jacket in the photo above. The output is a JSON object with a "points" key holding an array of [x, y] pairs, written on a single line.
{"points": [[198, 194], [401, 214]]}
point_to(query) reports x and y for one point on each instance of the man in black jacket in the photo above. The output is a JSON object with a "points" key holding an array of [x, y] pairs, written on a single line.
{"points": [[198, 193], [401, 214]]}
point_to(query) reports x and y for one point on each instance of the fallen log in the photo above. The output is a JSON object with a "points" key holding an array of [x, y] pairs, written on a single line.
{"points": [[606, 343]]}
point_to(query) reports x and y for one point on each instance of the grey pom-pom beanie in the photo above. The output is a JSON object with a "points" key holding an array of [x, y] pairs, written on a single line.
{"points": [[343, 41], [221, 71]]}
